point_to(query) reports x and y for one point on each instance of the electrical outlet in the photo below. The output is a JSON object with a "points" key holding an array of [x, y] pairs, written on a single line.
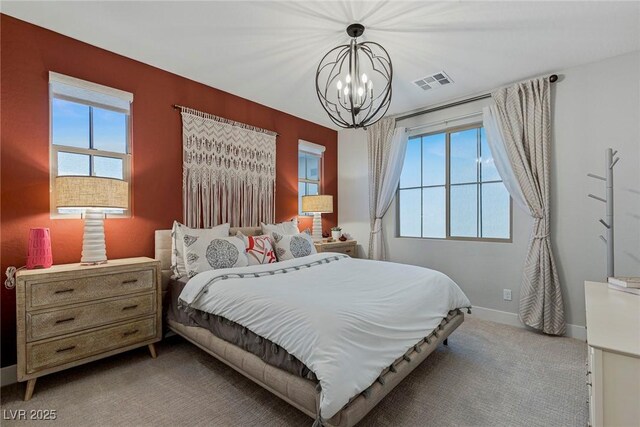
{"points": [[506, 294]]}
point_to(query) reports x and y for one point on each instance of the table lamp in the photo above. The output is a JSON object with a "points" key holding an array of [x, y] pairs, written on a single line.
{"points": [[92, 194], [317, 205]]}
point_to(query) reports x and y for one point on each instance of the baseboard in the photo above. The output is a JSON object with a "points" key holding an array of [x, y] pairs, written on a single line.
{"points": [[8, 375], [507, 318]]}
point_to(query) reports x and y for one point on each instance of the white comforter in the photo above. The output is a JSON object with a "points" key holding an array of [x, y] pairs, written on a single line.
{"points": [[346, 319]]}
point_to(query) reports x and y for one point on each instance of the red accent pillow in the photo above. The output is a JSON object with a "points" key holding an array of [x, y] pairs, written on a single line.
{"points": [[260, 250]]}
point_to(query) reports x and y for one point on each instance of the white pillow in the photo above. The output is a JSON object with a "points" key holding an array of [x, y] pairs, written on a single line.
{"points": [[183, 236], [287, 227], [212, 254], [293, 246]]}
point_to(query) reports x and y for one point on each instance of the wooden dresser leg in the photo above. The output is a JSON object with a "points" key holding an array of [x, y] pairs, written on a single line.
{"points": [[31, 384], [152, 350]]}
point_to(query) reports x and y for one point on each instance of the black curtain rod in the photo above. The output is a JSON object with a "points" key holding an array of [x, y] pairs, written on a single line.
{"points": [[224, 120], [552, 78]]}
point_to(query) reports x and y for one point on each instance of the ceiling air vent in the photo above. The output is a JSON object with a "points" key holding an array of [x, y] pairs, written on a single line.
{"points": [[433, 81]]}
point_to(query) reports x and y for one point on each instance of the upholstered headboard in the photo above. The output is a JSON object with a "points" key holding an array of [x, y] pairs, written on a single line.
{"points": [[163, 248]]}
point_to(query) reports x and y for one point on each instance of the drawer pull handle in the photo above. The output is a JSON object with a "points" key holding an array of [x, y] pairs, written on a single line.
{"points": [[126, 334], [127, 282], [61, 350], [64, 291], [68, 319], [129, 307]]}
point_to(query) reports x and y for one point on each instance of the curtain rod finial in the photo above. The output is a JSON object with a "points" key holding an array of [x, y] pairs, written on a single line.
{"points": [[553, 78]]}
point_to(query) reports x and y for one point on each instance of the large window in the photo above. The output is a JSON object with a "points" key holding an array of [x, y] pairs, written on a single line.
{"points": [[450, 188], [309, 171], [90, 133]]}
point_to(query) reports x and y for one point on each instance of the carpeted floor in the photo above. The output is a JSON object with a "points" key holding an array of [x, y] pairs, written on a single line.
{"points": [[490, 375]]}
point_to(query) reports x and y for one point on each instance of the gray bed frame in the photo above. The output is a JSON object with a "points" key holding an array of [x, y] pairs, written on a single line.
{"points": [[297, 391]]}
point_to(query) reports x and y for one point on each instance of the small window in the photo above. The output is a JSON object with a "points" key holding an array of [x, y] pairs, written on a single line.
{"points": [[309, 171], [90, 134], [450, 188]]}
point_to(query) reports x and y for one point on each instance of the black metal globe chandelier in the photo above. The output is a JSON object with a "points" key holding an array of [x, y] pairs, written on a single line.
{"points": [[353, 82]]}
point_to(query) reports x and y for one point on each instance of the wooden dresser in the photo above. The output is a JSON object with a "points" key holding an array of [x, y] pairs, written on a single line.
{"points": [[72, 314], [613, 363], [348, 247]]}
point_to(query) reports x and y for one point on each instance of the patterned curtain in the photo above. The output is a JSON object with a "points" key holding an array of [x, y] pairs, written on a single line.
{"points": [[229, 172], [523, 117]]}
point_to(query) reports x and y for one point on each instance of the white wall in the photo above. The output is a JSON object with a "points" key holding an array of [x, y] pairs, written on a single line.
{"points": [[595, 106]]}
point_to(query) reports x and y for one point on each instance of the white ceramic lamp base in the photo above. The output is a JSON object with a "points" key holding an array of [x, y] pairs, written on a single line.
{"points": [[316, 232], [94, 249]]}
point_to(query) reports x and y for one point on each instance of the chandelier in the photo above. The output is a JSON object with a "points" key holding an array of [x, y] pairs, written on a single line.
{"points": [[353, 82]]}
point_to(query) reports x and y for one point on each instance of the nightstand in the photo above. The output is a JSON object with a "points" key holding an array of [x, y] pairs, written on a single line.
{"points": [[72, 314], [348, 247]]}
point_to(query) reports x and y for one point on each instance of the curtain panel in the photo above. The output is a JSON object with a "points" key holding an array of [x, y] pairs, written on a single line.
{"points": [[386, 147], [229, 172], [519, 133]]}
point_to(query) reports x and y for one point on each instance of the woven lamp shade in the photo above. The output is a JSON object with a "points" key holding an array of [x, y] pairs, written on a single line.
{"points": [[91, 192], [317, 204]]}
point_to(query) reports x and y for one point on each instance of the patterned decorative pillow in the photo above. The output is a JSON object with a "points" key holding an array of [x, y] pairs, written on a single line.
{"points": [[183, 236], [259, 249], [293, 246], [205, 254], [287, 227]]}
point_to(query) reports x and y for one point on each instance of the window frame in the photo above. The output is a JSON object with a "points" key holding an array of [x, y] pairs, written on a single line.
{"points": [[447, 185], [318, 182], [54, 149]]}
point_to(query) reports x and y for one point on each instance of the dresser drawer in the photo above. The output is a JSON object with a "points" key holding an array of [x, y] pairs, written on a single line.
{"points": [[59, 292], [41, 355], [72, 319], [349, 250]]}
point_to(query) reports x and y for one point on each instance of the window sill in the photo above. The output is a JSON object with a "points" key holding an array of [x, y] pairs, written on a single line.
{"points": [[458, 239]]}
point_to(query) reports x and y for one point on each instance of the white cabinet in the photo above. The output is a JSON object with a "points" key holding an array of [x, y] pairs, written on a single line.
{"points": [[613, 362]]}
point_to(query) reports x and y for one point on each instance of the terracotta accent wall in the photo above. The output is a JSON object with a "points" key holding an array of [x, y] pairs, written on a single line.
{"points": [[28, 54]]}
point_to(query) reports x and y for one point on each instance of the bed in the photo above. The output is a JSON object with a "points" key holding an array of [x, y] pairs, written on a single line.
{"points": [[260, 355]]}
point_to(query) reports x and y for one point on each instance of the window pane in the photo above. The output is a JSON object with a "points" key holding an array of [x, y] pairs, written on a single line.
{"points": [[313, 167], [302, 168], [410, 212], [488, 171], [410, 176], [108, 167], [433, 159], [302, 188], [109, 130], [312, 189], [70, 123], [73, 164], [464, 210], [464, 156], [434, 212], [495, 211]]}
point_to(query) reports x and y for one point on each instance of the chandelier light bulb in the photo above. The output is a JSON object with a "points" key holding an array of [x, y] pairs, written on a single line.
{"points": [[364, 78], [348, 78], [339, 85], [360, 91], [346, 91]]}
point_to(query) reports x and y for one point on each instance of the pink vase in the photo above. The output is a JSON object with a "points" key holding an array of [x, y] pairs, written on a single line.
{"points": [[39, 254]]}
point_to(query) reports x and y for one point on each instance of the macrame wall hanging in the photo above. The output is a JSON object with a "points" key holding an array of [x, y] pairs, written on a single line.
{"points": [[228, 171]]}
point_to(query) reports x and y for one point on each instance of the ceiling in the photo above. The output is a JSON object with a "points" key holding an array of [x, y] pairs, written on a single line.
{"points": [[268, 51]]}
